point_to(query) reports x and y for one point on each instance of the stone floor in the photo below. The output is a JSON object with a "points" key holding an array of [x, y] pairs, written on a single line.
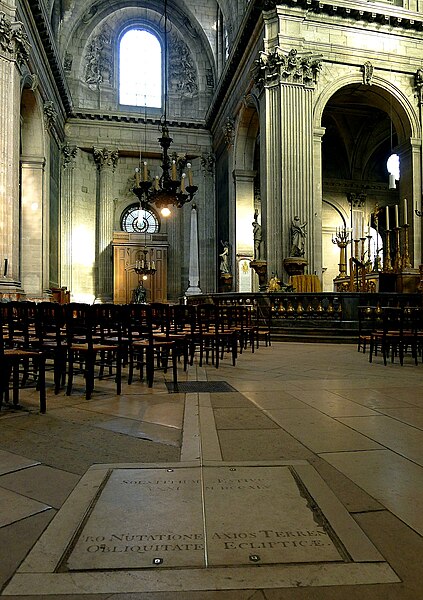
{"points": [[359, 425]]}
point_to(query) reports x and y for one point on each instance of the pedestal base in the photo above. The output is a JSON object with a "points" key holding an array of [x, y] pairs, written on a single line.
{"points": [[295, 265], [225, 282], [260, 267]]}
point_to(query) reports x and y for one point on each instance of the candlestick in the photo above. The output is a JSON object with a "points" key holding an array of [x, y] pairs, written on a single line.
{"points": [[406, 262], [183, 182], [396, 216], [189, 174], [174, 170], [387, 218], [156, 182], [145, 172], [137, 177], [387, 265], [405, 212]]}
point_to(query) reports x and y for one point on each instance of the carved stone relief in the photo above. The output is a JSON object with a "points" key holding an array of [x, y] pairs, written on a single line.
{"points": [[367, 70], [50, 115], [99, 59], [229, 131], [182, 72]]}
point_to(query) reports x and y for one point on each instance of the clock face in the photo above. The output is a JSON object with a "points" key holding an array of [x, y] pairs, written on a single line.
{"points": [[137, 220]]}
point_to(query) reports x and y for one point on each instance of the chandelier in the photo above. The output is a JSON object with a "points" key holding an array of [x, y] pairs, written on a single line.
{"points": [[171, 188], [145, 267]]}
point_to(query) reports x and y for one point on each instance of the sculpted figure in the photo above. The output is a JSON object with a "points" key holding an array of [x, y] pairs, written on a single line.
{"points": [[298, 236]]}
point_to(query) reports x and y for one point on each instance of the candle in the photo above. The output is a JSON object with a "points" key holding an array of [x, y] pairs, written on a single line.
{"points": [[156, 182], [387, 218], [145, 172], [183, 183], [189, 174], [368, 229], [396, 215], [174, 170], [405, 212], [153, 264], [137, 177], [362, 228]]}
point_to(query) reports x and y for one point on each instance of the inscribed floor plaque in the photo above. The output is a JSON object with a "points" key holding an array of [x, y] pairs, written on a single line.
{"points": [[185, 526]]}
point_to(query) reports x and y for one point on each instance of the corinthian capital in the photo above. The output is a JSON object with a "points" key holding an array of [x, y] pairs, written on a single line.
{"points": [[13, 39], [105, 157]]}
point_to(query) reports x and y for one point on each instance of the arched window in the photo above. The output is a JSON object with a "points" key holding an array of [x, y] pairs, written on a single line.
{"points": [[137, 220], [140, 69]]}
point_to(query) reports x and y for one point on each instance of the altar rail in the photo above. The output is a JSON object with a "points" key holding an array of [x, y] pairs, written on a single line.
{"points": [[324, 309]]}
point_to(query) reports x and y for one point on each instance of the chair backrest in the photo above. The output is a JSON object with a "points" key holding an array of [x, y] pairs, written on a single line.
{"points": [[79, 323], [207, 316], [392, 319], [160, 316], [50, 322], [139, 321], [182, 316], [108, 321], [22, 316]]}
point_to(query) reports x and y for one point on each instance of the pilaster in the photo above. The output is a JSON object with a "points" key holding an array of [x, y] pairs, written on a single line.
{"points": [[13, 51], [67, 195], [106, 161]]}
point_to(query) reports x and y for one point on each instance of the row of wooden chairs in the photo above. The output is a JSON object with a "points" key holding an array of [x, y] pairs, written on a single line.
{"points": [[392, 332], [97, 340]]}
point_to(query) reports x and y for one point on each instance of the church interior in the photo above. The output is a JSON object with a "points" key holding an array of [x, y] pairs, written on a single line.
{"points": [[187, 151]]}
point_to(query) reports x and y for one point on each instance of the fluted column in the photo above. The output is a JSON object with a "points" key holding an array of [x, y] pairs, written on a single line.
{"points": [[244, 185], [13, 51], [287, 79], [67, 195], [106, 160]]}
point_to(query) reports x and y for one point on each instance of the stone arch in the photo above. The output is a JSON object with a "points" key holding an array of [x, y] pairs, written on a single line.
{"points": [[362, 125], [246, 180]]}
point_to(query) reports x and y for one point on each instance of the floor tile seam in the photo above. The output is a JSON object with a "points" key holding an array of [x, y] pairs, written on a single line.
{"points": [[50, 506], [381, 414], [384, 446]]}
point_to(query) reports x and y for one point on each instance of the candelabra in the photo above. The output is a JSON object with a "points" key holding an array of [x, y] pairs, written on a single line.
{"points": [[145, 267], [341, 239]]}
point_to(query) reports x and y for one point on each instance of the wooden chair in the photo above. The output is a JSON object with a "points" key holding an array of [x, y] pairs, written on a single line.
{"points": [[214, 334], [51, 339], [147, 347], [389, 339], [19, 365], [367, 322], [87, 353]]}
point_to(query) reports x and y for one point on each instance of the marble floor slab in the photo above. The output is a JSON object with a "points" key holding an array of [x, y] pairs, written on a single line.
{"points": [[319, 432], [399, 437], [14, 507], [153, 518], [391, 479], [10, 462]]}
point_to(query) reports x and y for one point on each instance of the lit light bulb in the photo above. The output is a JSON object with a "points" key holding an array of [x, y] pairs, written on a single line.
{"points": [[165, 212], [145, 277]]}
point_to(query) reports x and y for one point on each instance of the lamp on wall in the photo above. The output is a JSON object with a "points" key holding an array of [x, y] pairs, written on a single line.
{"points": [[170, 188]]}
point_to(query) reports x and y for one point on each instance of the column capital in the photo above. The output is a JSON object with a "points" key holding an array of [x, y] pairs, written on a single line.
{"points": [[287, 67], [69, 155], [14, 42], [106, 157]]}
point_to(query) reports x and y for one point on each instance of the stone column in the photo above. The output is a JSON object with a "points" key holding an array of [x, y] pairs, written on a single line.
{"points": [[287, 78], [67, 195], [13, 52], [106, 160]]}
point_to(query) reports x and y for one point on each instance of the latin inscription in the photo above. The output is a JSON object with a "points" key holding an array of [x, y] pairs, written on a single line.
{"points": [[146, 517]]}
